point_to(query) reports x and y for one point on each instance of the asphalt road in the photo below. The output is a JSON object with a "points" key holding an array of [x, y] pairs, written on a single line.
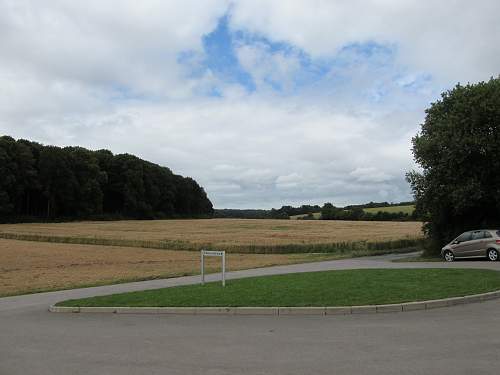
{"points": [[454, 340]]}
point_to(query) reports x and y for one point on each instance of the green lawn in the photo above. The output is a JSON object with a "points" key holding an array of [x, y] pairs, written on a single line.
{"points": [[332, 288], [392, 209]]}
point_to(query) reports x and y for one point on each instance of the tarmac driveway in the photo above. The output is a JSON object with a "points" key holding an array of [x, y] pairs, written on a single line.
{"points": [[455, 340]]}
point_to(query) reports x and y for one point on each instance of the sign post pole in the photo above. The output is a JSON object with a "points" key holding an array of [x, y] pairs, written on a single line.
{"points": [[213, 253], [202, 268], [224, 269]]}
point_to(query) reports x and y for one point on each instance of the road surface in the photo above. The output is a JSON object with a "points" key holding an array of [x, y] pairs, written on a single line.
{"points": [[455, 340]]}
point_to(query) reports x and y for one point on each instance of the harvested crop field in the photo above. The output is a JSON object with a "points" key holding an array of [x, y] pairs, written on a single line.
{"points": [[233, 235], [28, 267]]}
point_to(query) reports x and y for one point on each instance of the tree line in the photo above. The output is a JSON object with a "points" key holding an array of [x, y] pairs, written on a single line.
{"points": [[356, 212], [274, 213], [328, 212], [378, 205], [41, 182], [458, 187]]}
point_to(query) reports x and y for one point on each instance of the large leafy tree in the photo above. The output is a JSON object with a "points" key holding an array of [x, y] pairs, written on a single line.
{"points": [[458, 150]]}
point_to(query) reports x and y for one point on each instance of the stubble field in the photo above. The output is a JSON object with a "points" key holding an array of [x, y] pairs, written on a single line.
{"points": [[233, 235], [67, 255], [27, 267]]}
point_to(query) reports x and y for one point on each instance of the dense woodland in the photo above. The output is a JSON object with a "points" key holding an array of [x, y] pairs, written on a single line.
{"points": [[48, 182]]}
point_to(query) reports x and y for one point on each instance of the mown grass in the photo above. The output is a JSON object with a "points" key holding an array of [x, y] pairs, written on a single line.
{"points": [[334, 247], [331, 288]]}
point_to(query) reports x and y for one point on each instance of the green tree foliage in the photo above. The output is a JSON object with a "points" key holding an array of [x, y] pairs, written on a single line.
{"points": [[458, 150], [281, 213], [230, 213], [65, 183], [328, 212], [356, 212]]}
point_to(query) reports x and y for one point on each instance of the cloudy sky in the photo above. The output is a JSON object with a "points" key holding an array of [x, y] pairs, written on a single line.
{"points": [[264, 103]]}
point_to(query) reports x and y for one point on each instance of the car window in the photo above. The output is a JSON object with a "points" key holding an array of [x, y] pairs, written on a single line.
{"points": [[487, 234], [464, 237], [478, 235]]}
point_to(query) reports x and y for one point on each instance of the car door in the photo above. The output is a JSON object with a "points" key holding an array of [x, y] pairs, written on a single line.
{"points": [[476, 245], [460, 245], [488, 240]]}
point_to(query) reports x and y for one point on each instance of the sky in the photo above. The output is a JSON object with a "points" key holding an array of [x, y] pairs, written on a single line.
{"points": [[264, 103]]}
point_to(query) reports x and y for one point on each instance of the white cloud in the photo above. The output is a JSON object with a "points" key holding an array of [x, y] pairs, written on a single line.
{"points": [[107, 75], [453, 40], [267, 67], [127, 45], [289, 181], [249, 153], [370, 174]]}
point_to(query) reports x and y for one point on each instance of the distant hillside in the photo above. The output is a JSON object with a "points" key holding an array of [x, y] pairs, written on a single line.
{"points": [[308, 216], [404, 211], [372, 211], [407, 209], [378, 205], [41, 182], [285, 212]]}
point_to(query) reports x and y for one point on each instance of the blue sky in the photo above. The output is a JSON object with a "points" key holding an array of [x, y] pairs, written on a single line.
{"points": [[220, 57], [265, 103], [329, 77]]}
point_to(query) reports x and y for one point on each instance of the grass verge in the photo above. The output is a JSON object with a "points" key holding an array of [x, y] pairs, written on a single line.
{"points": [[331, 288]]}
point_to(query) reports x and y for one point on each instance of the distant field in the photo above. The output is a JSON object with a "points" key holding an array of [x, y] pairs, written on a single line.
{"points": [[408, 209], [233, 235], [316, 215], [28, 267]]}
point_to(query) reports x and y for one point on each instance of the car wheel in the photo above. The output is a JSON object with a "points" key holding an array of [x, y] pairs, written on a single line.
{"points": [[492, 254], [448, 256]]}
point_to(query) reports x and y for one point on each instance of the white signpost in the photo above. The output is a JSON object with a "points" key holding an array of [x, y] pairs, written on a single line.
{"points": [[211, 253]]}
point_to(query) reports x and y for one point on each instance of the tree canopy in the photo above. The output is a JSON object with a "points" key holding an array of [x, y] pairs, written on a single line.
{"points": [[49, 182], [458, 148]]}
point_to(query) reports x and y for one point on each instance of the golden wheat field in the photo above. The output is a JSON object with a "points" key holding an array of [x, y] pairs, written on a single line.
{"points": [[228, 234], [88, 255], [27, 267]]}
